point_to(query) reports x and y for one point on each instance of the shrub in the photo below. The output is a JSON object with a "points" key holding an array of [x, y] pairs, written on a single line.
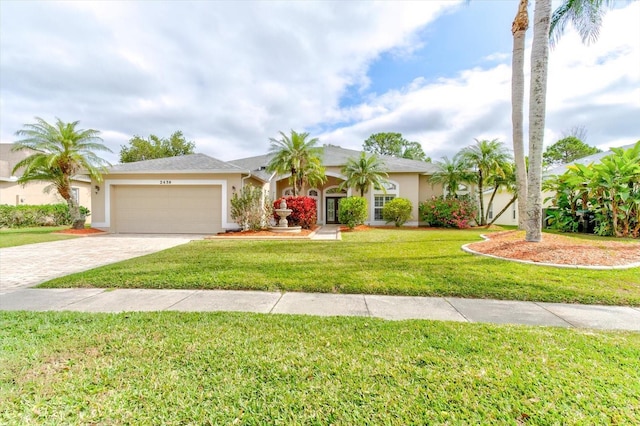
{"points": [[251, 208], [397, 211], [448, 212], [353, 211], [304, 211], [36, 215]]}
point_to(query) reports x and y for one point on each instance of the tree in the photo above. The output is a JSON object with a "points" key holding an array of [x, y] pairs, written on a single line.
{"points": [[364, 171], [485, 158], [451, 173], [586, 15], [505, 180], [567, 150], [519, 29], [140, 149], [299, 157], [393, 144], [60, 152]]}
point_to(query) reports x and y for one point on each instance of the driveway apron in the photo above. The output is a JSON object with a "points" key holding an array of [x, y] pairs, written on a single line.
{"points": [[32, 264]]}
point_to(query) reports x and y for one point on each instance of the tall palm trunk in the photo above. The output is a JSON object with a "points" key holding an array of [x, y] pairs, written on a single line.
{"points": [[519, 29], [537, 108]]}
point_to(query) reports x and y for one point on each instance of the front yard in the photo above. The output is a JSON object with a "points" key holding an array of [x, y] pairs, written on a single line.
{"points": [[380, 261], [22, 236], [231, 368]]}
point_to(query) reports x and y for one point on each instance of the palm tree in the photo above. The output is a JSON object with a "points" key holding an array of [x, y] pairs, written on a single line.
{"points": [[519, 29], [486, 158], [506, 179], [586, 17], [451, 173], [60, 152], [363, 172], [299, 157]]}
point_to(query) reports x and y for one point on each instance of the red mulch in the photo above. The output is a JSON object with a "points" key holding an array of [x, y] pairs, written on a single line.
{"points": [[85, 231], [263, 233], [560, 249]]}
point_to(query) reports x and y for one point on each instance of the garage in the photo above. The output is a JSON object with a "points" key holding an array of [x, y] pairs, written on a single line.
{"points": [[166, 209]]}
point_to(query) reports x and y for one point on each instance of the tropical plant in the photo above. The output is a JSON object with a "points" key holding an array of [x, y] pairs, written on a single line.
{"points": [[586, 15], [486, 158], [609, 189], [140, 149], [58, 153], [364, 171], [451, 173], [506, 180], [304, 211], [353, 211], [251, 208], [397, 211], [298, 157]]}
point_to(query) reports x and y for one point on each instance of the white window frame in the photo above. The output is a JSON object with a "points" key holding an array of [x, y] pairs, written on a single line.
{"points": [[75, 193], [392, 191]]}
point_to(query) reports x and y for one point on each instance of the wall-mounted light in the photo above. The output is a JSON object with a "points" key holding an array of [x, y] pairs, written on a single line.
{"points": [[233, 189], [97, 188]]}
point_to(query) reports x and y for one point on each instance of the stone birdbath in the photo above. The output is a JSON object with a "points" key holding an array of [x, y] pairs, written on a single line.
{"points": [[283, 223]]}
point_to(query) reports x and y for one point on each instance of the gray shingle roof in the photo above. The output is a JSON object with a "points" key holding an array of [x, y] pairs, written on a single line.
{"points": [[192, 163], [337, 156]]}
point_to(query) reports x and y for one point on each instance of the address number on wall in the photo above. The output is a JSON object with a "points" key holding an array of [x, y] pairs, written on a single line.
{"points": [[165, 182]]}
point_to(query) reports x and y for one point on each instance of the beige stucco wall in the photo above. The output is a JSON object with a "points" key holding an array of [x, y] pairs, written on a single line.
{"points": [[231, 182]]}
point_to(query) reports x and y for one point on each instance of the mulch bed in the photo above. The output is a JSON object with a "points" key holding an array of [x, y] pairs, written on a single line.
{"points": [[85, 231], [560, 249], [251, 234]]}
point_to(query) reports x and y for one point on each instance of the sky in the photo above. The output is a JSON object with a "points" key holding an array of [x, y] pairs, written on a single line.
{"points": [[232, 75]]}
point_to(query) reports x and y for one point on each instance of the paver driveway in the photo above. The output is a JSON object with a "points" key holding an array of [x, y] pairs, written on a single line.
{"points": [[32, 264]]}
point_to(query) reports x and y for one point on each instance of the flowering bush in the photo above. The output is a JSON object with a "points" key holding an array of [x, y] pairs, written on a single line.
{"points": [[304, 211], [397, 211], [353, 211], [449, 212]]}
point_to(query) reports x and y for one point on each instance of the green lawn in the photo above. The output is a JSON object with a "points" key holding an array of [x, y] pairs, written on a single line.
{"points": [[231, 368], [382, 261], [21, 236]]}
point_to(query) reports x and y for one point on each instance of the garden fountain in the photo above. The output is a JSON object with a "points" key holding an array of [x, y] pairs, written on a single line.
{"points": [[283, 223]]}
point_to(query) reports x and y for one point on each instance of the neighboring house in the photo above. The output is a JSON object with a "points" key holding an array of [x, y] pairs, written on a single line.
{"points": [[510, 217], [13, 193], [192, 193]]}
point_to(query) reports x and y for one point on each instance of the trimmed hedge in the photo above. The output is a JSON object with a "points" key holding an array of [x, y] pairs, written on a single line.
{"points": [[304, 211], [353, 211], [36, 215]]}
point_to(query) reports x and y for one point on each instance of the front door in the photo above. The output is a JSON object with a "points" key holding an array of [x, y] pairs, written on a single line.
{"points": [[332, 206]]}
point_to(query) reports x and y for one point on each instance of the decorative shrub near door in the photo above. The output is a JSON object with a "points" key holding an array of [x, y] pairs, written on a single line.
{"points": [[304, 211], [353, 211]]}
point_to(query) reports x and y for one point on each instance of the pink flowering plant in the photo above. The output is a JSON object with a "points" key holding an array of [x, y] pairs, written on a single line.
{"points": [[449, 212]]}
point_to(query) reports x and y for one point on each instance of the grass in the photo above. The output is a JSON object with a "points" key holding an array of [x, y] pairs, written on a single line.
{"points": [[232, 368], [22, 236], [382, 261]]}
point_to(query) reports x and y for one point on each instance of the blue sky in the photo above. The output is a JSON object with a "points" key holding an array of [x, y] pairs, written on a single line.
{"points": [[231, 75]]}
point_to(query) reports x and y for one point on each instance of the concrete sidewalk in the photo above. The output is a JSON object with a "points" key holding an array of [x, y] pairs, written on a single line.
{"points": [[387, 307]]}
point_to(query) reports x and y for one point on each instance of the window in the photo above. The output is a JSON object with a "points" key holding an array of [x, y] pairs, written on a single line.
{"points": [[287, 192], [313, 193], [514, 209], [490, 212], [335, 190], [378, 202], [75, 193]]}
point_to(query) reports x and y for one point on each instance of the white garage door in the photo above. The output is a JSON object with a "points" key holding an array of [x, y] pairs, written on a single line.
{"points": [[171, 209]]}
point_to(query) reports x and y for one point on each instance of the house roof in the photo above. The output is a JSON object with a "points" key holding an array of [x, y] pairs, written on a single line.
{"points": [[192, 163], [337, 157], [589, 159]]}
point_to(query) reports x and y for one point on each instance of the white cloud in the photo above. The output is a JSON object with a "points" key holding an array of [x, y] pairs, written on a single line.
{"points": [[232, 74]]}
